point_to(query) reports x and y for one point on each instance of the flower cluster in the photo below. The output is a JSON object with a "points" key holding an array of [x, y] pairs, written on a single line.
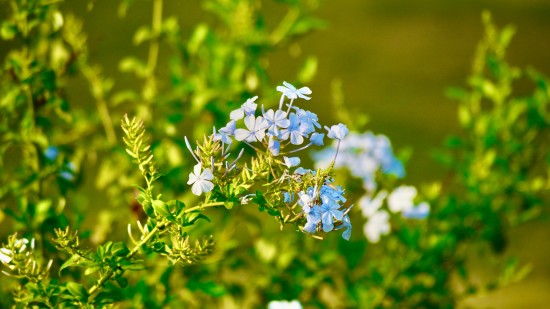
{"points": [[400, 200], [364, 155], [276, 135], [322, 207]]}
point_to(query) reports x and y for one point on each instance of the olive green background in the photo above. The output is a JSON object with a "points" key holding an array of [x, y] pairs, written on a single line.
{"points": [[395, 59]]}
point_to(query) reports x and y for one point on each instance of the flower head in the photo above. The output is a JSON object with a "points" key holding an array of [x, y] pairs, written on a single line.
{"points": [[338, 131], [225, 133], [201, 181], [248, 108], [291, 92], [256, 129]]}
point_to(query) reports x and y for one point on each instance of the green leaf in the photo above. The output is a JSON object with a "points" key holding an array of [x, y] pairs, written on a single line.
{"points": [[91, 270], [161, 208], [120, 249], [229, 205], [122, 282], [72, 261], [78, 291], [192, 217]]}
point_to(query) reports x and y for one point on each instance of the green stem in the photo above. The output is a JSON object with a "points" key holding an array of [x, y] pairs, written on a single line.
{"points": [[94, 290], [150, 81], [207, 205]]}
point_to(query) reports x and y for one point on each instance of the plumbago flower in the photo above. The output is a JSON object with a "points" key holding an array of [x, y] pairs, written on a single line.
{"points": [[400, 201], [364, 155], [273, 179]]}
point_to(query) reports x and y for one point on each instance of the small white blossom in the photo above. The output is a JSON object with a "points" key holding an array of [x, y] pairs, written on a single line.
{"points": [[402, 199], [377, 226], [201, 181]]}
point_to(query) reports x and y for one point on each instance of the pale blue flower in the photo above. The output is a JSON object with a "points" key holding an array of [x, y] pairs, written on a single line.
{"points": [[256, 129], [329, 212], [292, 161], [333, 192], [224, 134], [201, 181], [317, 139], [274, 146], [291, 92], [276, 119], [313, 218], [247, 108], [346, 224], [294, 131], [303, 171], [338, 131], [51, 153], [419, 211], [308, 119], [288, 197]]}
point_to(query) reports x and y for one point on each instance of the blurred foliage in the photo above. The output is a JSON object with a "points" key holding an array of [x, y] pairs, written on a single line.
{"points": [[53, 150]]}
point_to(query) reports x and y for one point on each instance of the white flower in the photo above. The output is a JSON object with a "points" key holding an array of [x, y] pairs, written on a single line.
{"points": [[377, 225], [256, 129], [291, 92], [201, 181], [283, 304], [401, 199], [370, 206]]}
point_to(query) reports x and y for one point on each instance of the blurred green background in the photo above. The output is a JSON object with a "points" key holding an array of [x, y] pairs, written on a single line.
{"points": [[395, 59]]}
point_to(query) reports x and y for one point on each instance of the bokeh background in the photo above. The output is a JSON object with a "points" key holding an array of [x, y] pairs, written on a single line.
{"points": [[395, 59]]}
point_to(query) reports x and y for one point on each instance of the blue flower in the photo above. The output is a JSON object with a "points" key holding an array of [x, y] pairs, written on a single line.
{"points": [[420, 211], [290, 162], [274, 146], [288, 197], [329, 212], [294, 131], [201, 181], [290, 91], [333, 192], [308, 119], [317, 139], [51, 153], [313, 218], [225, 133], [276, 119], [338, 131], [256, 129], [346, 224], [303, 171], [248, 108]]}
